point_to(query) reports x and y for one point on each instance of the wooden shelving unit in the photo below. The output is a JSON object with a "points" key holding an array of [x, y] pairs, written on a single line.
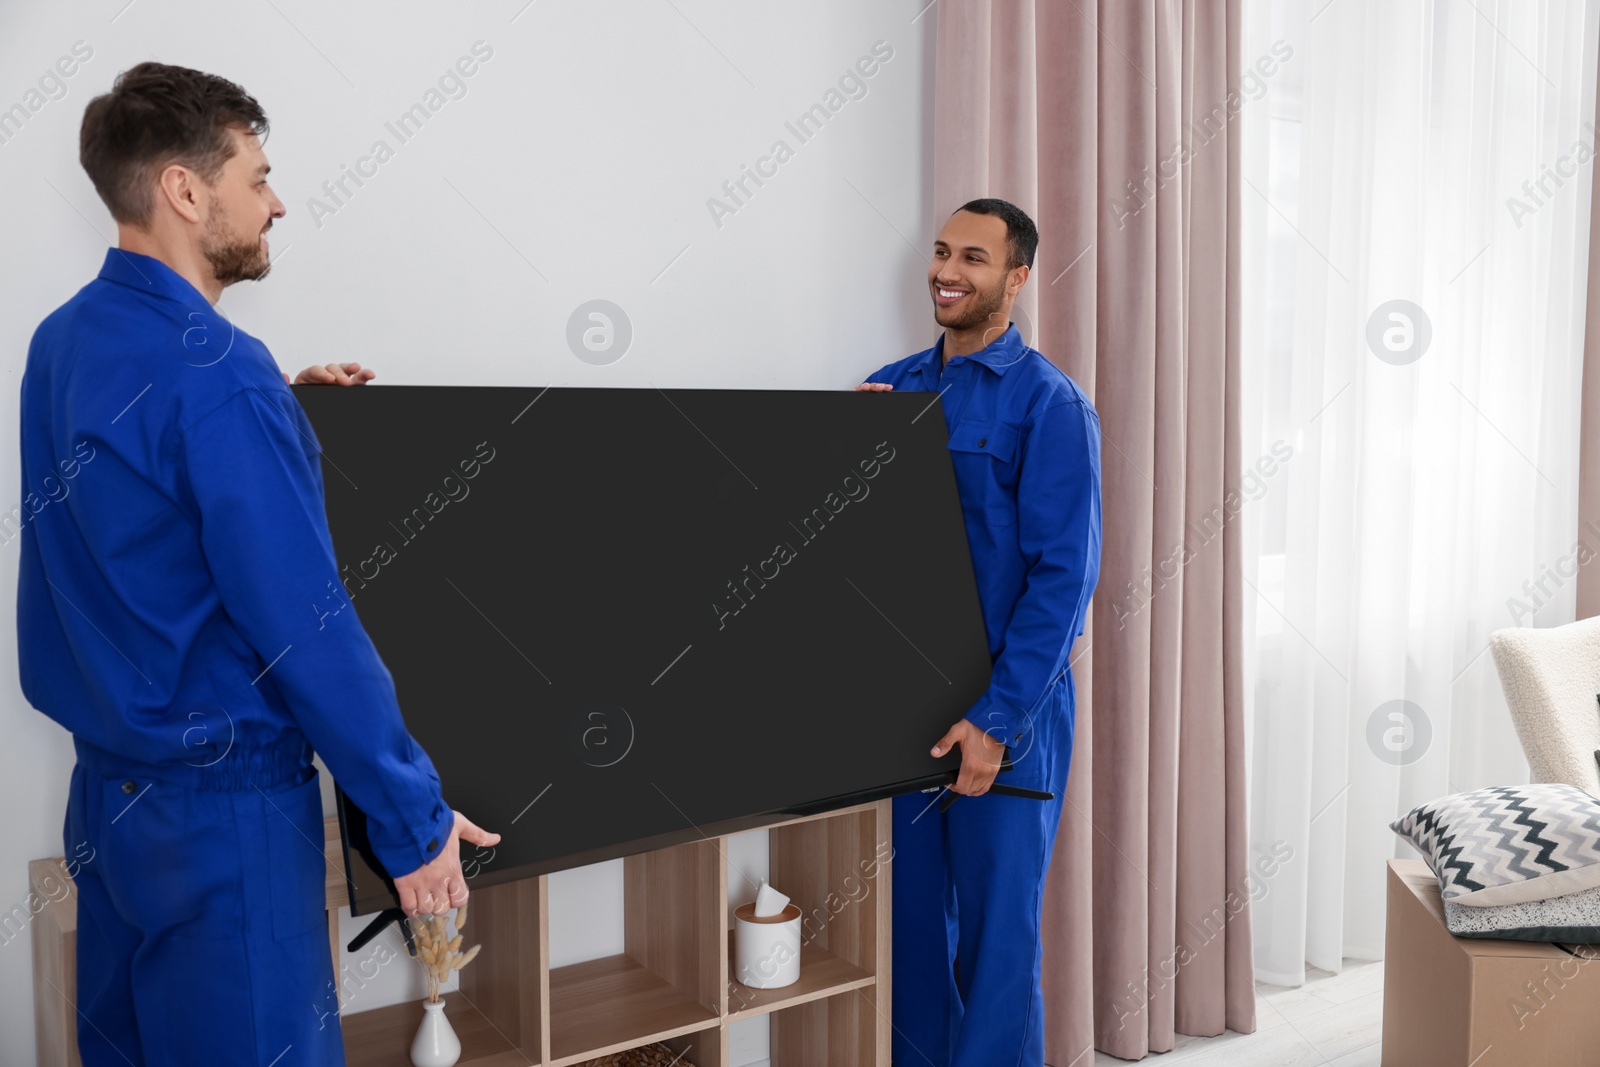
{"points": [[672, 983]]}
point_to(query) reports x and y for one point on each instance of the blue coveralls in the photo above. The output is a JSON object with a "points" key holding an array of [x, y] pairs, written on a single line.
{"points": [[180, 612], [968, 883]]}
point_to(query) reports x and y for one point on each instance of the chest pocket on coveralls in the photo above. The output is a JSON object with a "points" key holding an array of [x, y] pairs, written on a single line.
{"points": [[983, 453]]}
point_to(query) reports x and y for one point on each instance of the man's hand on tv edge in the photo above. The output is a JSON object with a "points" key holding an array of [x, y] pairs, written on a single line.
{"points": [[334, 374], [874, 387], [439, 885], [981, 756]]}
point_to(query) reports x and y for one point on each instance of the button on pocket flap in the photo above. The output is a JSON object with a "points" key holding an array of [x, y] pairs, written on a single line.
{"points": [[975, 435]]}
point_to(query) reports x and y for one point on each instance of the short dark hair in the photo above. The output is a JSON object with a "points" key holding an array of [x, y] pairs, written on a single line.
{"points": [[156, 115], [1022, 236]]}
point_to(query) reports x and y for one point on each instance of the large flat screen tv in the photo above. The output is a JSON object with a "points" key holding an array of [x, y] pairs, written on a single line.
{"points": [[620, 619]]}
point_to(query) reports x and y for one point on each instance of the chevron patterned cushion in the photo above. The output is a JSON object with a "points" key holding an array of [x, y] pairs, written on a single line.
{"points": [[1508, 844]]}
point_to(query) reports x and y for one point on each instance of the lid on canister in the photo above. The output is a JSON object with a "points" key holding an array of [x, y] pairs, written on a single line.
{"points": [[747, 913]]}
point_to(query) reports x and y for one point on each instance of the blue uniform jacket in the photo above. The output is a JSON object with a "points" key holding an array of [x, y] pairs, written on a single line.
{"points": [[178, 595], [1025, 445]]}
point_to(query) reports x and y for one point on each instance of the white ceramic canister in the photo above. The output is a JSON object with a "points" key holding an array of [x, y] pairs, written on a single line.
{"points": [[766, 950]]}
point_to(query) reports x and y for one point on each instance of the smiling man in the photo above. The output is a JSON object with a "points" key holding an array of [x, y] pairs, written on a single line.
{"points": [[1025, 446], [171, 616]]}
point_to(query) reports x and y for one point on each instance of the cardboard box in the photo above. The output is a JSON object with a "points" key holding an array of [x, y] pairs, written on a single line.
{"points": [[1474, 1002]]}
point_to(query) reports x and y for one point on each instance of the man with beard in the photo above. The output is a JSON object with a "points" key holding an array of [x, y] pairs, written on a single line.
{"points": [[1025, 445], [179, 611]]}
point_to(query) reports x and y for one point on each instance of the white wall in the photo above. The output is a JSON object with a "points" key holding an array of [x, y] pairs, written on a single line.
{"points": [[577, 166]]}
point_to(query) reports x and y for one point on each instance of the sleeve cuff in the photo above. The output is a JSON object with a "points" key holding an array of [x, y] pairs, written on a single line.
{"points": [[416, 845], [999, 722]]}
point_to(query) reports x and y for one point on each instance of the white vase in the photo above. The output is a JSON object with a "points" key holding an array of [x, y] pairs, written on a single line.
{"points": [[436, 1043]]}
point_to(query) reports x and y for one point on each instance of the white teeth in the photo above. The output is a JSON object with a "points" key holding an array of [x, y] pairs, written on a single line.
{"points": [[951, 294]]}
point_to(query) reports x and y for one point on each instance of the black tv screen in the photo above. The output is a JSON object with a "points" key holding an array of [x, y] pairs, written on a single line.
{"points": [[620, 619]]}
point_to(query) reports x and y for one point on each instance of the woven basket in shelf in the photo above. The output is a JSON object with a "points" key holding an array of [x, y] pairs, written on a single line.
{"points": [[645, 1056]]}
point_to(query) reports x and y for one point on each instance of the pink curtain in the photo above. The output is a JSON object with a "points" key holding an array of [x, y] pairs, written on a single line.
{"points": [[1115, 124], [1589, 420]]}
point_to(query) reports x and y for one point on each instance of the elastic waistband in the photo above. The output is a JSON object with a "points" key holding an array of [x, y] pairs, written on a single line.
{"points": [[286, 761]]}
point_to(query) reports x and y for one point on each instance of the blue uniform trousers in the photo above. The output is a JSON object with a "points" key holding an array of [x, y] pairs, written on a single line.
{"points": [[968, 896], [202, 935]]}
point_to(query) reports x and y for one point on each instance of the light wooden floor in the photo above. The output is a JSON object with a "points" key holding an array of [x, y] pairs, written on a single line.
{"points": [[1334, 1020]]}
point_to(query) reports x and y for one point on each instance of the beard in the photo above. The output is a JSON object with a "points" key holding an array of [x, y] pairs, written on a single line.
{"points": [[984, 306], [232, 260]]}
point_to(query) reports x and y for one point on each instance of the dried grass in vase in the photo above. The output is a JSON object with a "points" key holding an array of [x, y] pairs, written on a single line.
{"points": [[438, 952]]}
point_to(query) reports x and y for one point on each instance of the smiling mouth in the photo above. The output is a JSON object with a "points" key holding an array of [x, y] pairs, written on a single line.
{"points": [[945, 296]]}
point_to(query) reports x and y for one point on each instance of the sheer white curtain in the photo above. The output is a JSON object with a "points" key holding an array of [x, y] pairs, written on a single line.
{"points": [[1416, 199]]}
